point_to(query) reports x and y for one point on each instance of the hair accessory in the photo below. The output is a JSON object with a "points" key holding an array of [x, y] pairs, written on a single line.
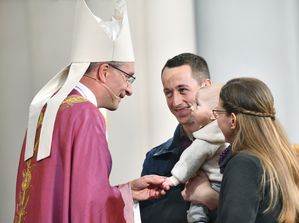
{"points": [[259, 114]]}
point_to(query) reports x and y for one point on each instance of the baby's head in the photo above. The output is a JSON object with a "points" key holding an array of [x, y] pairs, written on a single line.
{"points": [[206, 100]]}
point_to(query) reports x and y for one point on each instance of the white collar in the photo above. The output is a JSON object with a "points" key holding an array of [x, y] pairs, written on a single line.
{"points": [[86, 93]]}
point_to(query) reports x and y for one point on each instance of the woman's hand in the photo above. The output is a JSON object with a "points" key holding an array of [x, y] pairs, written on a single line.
{"points": [[199, 191]]}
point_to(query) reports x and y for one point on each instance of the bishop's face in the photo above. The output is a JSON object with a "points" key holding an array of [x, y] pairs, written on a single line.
{"points": [[120, 84]]}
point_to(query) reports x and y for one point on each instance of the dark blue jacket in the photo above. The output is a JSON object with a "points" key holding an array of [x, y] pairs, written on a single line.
{"points": [[160, 160]]}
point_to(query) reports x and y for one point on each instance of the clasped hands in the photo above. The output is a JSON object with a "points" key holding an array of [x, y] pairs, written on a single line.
{"points": [[148, 187]]}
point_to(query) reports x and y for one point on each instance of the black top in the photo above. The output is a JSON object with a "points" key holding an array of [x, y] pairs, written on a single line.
{"points": [[160, 160], [241, 196]]}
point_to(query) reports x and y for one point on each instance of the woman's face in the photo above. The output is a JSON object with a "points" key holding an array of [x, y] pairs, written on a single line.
{"points": [[226, 122]]}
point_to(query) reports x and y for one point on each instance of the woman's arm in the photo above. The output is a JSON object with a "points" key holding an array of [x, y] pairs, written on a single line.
{"points": [[240, 190], [199, 191]]}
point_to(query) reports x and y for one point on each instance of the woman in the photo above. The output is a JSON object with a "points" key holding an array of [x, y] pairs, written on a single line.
{"points": [[261, 172]]}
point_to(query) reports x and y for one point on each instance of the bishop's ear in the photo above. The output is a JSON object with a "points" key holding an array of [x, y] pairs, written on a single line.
{"points": [[102, 72]]}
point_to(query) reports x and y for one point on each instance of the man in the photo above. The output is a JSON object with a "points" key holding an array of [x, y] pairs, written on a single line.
{"points": [[181, 77], [65, 162]]}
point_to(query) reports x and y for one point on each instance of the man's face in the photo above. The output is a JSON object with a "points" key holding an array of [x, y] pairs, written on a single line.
{"points": [[180, 90], [119, 84]]}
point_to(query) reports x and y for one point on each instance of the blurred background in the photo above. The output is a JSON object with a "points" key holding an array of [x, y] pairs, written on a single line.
{"points": [[236, 37]]}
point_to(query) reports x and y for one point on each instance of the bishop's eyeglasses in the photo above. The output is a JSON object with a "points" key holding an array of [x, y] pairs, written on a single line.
{"points": [[130, 77]]}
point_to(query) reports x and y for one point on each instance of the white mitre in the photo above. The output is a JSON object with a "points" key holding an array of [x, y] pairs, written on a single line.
{"points": [[94, 40]]}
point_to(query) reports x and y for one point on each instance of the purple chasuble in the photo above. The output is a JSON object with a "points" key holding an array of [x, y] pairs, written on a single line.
{"points": [[72, 185]]}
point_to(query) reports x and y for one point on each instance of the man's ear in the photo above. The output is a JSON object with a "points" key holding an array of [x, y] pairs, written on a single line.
{"points": [[233, 123], [206, 82], [102, 72]]}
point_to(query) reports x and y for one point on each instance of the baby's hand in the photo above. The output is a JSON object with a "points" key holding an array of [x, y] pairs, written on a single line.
{"points": [[167, 182]]}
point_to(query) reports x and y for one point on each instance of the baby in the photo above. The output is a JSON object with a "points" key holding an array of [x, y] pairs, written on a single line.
{"points": [[204, 151]]}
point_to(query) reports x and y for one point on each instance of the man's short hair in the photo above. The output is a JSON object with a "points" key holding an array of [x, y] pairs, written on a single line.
{"points": [[199, 67]]}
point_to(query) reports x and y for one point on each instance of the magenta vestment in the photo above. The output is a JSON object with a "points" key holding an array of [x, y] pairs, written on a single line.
{"points": [[72, 185]]}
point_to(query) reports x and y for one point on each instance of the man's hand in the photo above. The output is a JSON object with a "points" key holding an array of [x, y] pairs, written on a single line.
{"points": [[148, 187], [198, 191]]}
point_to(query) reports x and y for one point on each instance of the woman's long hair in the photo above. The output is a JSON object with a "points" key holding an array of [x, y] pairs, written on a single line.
{"points": [[260, 134]]}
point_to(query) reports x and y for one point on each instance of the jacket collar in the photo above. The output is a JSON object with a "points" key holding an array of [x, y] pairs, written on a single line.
{"points": [[224, 157], [176, 144]]}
